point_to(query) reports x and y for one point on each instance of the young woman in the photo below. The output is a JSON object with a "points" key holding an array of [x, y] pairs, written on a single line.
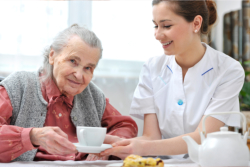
{"points": [[177, 89]]}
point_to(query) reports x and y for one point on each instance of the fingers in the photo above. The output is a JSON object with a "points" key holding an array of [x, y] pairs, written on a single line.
{"points": [[123, 142], [120, 149], [60, 132], [109, 139], [96, 154], [92, 157], [54, 140], [65, 149], [53, 147], [64, 142], [104, 158]]}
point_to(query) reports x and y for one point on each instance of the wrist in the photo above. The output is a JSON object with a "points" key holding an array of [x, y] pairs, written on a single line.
{"points": [[33, 139], [145, 147], [25, 136]]}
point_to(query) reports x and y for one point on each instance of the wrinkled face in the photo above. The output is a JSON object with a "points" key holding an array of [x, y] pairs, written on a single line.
{"points": [[73, 67], [172, 31]]}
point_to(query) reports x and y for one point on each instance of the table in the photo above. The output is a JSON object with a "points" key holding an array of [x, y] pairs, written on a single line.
{"points": [[169, 162]]}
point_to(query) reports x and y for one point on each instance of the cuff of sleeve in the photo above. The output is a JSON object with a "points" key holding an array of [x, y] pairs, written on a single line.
{"points": [[25, 135], [140, 113]]}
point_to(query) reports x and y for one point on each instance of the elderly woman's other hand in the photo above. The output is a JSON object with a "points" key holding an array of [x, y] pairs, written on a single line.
{"points": [[93, 157], [53, 139]]}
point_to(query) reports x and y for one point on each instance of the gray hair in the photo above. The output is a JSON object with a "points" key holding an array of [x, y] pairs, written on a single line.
{"points": [[61, 40]]}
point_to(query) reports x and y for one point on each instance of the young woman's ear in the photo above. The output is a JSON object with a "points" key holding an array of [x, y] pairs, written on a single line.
{"points": [[197, 23]]}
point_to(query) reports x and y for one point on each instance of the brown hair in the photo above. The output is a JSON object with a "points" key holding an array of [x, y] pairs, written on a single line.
{"points": [[191, 8]]}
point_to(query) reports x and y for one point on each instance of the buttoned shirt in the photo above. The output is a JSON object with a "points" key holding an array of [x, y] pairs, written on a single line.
{"points": [[16, 140], [212, 85]]}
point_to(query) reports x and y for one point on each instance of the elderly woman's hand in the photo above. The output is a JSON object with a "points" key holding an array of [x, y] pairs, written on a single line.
{"points": [[53, 139], [93, 157]]}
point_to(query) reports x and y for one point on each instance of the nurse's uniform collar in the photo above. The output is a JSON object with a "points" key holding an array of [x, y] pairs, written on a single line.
{"points": [[203, 59], [170, 69], [207, 67], [198, 64]]}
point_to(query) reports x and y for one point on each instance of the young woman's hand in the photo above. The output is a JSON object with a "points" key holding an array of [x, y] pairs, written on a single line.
{"points": [[53, 139], [110, 139], [126, 147]]}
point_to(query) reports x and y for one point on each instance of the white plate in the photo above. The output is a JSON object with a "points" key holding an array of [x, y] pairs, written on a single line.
{"points": [[92, 149]]}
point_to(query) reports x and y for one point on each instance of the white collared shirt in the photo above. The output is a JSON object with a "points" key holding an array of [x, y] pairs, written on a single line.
{"points": [[212, 85]]}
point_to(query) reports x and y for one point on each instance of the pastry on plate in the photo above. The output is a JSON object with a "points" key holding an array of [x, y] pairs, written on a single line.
{"points": [[138, 161]]}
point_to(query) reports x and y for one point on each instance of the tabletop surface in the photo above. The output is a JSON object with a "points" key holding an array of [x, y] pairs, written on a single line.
{"points": [[99, 163], [170, 162]]}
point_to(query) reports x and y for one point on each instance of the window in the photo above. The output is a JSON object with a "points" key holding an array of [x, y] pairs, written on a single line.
{"points": [[124, 27], [26, 28]]}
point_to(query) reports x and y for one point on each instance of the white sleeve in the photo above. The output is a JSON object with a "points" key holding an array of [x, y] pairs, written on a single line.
{"points": [[226, 94], [143, 99]]}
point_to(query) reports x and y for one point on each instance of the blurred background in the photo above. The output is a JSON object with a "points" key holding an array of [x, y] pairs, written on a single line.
{"points": [[126, 30]]}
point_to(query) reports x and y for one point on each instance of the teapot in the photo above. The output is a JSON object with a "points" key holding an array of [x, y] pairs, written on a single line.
{"points": [[223, 148]]}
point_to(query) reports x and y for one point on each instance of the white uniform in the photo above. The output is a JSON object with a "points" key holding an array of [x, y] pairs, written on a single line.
{"points": [[212, 85]]}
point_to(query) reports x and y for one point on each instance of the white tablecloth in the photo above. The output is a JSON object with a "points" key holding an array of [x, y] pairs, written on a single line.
{"points": [[170, 162]]}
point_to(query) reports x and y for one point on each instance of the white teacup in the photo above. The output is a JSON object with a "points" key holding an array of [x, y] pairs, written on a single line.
{"points": [[91, 136]]}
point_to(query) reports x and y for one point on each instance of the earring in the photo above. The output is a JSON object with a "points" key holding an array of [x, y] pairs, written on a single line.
{"points": [[195, 31]]}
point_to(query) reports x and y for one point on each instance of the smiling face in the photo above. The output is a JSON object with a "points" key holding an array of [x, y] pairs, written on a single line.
{"points": [[173, 31], [73, 67]]}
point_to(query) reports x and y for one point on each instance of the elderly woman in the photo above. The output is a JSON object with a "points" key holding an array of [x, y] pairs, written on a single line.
{"points": [[39, 111]]}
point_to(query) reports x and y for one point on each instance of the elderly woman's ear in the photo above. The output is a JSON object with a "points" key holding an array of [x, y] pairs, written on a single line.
{"points": [[51, 56]]}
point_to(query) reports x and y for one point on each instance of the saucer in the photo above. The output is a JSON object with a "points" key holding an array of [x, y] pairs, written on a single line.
{"points": [[91, 149]]}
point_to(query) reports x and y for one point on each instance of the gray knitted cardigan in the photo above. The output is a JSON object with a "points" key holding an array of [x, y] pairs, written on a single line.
{"points": [[30, 108]]}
